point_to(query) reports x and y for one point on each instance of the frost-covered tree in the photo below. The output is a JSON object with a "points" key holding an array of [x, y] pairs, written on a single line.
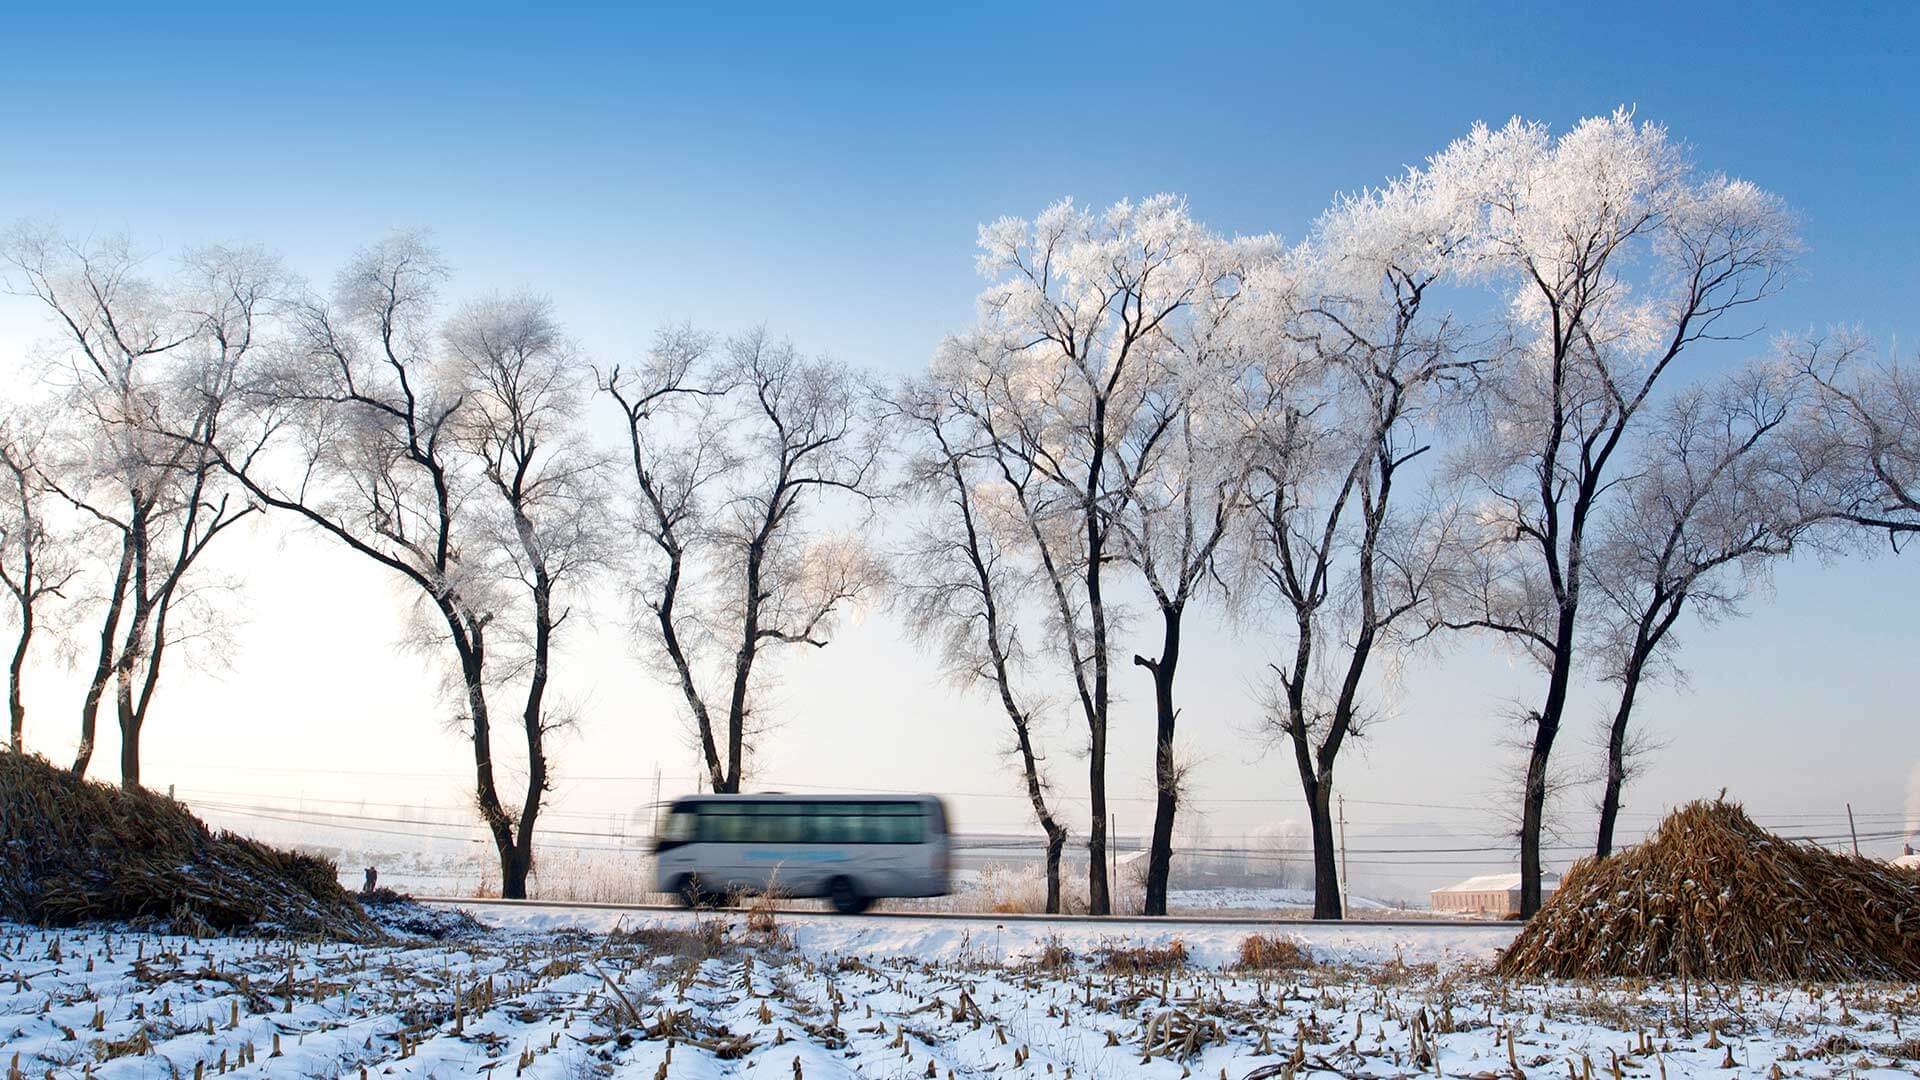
{"points": [[149, 369], [1350, 369], [1864, 429], [544, 527], [446, 454], [1184, 485], [37, 559], [1709, 498], [1071, 346], [733, 451], [963, 576], [1615, 257]]}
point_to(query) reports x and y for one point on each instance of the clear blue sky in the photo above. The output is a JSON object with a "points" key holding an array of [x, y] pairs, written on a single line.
{"points": [[823, 170]]}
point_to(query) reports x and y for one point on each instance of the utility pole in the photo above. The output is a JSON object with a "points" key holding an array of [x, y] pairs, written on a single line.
{"points": [[1852, 832], [656, 798], [1346, 896], [1113, 862]]}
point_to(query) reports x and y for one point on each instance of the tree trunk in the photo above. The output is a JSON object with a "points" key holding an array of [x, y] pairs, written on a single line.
{"points": [[1326, 870], [103, 666], [1534, 802], [1056, 842], [516, 863], [513, 872], [1617, 758], [130, 752], [1316, 780], [131, 717], [1166, 794], [1099, 900], [17, 709]]}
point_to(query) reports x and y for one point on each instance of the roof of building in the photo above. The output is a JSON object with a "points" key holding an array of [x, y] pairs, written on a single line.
{"points": [[1497, 883], [1911, 862]]}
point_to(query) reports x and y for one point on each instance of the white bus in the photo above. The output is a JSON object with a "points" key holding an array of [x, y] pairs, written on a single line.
{"points": [[851, 849]]}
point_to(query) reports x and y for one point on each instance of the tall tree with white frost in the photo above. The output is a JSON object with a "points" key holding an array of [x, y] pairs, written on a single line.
{"points": [[1349, 370], [1708, 501], [1615, 257], [1184, 472], [150, 370], [445, 455], [962, 577], [732, 453], [1072, 341]]}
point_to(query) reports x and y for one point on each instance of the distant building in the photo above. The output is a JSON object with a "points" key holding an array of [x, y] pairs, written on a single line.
{"points": [[1907, 860], [1489, 894]]}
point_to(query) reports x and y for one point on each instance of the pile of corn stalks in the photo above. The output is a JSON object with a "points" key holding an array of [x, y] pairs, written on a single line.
{"points": [[73, 851], [1711, 895]]}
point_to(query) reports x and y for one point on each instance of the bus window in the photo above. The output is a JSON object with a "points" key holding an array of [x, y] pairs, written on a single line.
{"points": [[679, 826], [776, 824]]}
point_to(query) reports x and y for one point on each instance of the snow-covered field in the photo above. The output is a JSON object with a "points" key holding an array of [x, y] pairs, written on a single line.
{"points": [[552, 993]]}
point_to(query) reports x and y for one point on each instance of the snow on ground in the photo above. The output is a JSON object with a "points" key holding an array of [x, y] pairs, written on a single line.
{"points": [[1242, 899], [1017, 939], [705, 996]]}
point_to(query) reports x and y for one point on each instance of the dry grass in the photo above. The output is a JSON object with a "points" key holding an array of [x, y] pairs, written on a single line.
{"points": [[1143, 959], [1021, 889], [1711, 895], [1054, 956], [78, 851], [705, 940], [1271, 952]]}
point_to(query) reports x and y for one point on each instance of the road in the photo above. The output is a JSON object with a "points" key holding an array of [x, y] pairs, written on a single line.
{"points": [[1502, 930]]}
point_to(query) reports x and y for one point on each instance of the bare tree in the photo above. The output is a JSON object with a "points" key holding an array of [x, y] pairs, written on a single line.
{"points": [[152, 375], [728, 499], [1708, 502], [445, 457], [1864, 429], [961, 579], [1350, 372], [1566, 222], [36, 562], [1073, 337], [523, 383]]}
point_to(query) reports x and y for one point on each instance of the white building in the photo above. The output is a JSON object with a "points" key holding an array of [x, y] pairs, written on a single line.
{"points": [[1489, 894]]}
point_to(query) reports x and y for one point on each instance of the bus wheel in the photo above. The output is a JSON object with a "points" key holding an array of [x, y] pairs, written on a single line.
{"points": [[845, 898]]}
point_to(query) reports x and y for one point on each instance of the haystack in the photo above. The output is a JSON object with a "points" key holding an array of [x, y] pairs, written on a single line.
{"points": [[74, 851], [1711, 895]]}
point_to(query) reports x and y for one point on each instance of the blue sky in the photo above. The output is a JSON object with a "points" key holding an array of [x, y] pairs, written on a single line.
{"points": [[823, 171]]}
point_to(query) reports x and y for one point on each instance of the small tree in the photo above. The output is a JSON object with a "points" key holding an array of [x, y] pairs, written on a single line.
{"points": [[1703, 514], [36, 562], [728, 499], [961, 577]]}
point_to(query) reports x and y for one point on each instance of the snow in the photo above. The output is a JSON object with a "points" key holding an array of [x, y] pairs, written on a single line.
{"points": [[1245, 899], [553, 993]]}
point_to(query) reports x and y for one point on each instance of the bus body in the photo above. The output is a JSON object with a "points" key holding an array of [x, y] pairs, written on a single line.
{"points": [[851, 849]]}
